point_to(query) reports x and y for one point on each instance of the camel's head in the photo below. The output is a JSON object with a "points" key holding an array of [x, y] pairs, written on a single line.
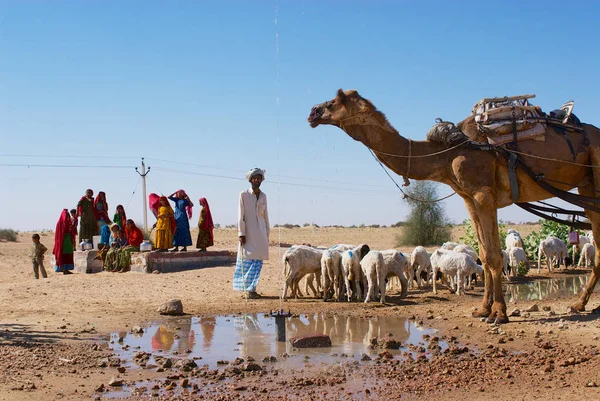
{"points": [[333, 112]]}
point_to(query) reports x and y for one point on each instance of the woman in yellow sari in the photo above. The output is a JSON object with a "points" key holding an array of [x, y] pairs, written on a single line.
{"points": [[165, 225]]}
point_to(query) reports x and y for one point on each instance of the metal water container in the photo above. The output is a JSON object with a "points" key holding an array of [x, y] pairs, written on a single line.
{"points": [[86, 245], [145, 246]]}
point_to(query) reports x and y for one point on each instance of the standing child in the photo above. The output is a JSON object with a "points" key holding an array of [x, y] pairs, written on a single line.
{"points": [[37, 256], [74, 222]]}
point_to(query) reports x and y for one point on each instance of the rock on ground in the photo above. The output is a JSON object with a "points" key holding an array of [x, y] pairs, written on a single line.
{"points": [[173, 307]]}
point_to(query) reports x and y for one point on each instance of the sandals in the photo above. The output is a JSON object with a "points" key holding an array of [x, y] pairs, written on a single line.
{"points": [[251, 295]]}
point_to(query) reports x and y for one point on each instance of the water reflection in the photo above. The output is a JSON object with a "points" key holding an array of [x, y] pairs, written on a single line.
{"points": [[547, 289], [228, 337]]}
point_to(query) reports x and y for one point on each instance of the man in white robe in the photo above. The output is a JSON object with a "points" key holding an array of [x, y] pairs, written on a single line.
{"points": [[253, 232]]}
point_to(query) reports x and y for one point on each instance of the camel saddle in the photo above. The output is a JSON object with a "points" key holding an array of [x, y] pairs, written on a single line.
{"points": [[509, 119], [513, 119]]}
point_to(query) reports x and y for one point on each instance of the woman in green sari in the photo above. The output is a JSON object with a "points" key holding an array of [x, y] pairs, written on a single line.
{"points": [[87, 217], [134, 237]]}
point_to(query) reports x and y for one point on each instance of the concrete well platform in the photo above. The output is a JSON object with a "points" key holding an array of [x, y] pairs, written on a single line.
{"points": [[171, 262], [163, 262]]}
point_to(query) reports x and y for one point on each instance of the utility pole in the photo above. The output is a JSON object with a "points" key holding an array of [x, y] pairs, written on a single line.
{"points": [[143, 174]]}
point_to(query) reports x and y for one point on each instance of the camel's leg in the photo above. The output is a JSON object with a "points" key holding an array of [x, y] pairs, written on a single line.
{"points": [[490, 253], [488, 295], [435, 270], [595, 220]]}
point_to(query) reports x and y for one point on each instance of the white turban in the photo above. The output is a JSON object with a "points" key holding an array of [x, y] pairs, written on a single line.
{"points": [[253, 172]]}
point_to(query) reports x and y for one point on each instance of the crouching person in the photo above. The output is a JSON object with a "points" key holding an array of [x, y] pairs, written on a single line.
{"points": [[134, 237]]}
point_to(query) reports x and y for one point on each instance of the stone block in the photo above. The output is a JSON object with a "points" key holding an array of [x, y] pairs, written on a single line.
{"points": [[313, 341]]}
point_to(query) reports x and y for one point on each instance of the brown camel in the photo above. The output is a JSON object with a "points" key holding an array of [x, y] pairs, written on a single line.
{"points": [[479, 177]]}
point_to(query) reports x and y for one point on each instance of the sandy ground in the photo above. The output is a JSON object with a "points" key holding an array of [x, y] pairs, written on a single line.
{"points": [[50, 331]]}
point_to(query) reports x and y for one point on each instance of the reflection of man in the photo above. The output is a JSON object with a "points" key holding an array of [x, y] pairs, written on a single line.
{"points": [[253, 231]]}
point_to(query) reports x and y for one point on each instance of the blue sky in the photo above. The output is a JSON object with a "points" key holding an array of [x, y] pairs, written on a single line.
{"points": [[206, 90]]}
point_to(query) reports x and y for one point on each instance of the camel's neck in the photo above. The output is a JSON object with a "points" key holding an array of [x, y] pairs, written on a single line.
{"points": [[386, 143]]}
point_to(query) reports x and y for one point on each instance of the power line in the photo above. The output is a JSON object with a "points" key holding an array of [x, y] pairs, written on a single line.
{"points": [[275, 175], [69, 156], [164, 161], [351, 190], [59, 165]]}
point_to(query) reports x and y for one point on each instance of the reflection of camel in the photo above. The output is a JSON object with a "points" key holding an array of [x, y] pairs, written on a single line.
{"points": [[479, 177]]}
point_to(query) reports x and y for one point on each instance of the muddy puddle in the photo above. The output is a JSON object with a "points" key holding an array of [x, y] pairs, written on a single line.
{"points": [[212, 340], [215, 342], [547, 288]]}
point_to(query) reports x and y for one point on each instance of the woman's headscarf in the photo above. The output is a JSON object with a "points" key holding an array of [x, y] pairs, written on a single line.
{"points": [[101, 198], [154, 202], [168, 206], [122, 214], [63, 227], [208, 221], [255, 171], [134, 236], [188, 208]]}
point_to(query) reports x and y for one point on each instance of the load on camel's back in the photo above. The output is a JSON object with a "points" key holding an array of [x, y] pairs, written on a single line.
{"points": [[484, 173]]}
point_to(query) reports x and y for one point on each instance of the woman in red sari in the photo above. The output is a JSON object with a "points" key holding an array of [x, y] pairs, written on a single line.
{"points": [[205, 227], [134, 237], [63, 244]]}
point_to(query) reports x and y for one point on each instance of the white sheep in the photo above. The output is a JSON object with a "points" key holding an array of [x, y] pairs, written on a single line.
{"points": [[351, 270], [372, 265], [454, 266], [513, 240], [583, 239], [449, 245], [516, 256], [299, 261], [420, 261], [331, 265], [395, 264], [331, 270], [468, 250], [588, 254], [553, 249]]}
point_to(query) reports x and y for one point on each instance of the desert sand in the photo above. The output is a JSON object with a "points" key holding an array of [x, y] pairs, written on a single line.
{"points": [[52, 332]]}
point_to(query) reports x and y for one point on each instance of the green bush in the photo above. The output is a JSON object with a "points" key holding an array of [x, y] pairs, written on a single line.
{"points": [[522, 269], [426, 223], [470, 237], [548, 228], [144, 231], [8, 234]]}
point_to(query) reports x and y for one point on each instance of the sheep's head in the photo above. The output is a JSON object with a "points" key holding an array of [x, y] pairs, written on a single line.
{"points": [[364, 249]]}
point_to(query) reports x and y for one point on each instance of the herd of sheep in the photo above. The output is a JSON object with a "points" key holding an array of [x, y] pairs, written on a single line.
{"points": [[349, 272]]}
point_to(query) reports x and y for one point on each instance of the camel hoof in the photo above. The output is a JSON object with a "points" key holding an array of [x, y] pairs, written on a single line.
{"points": [[572, 311], [579, 307], [501, 320], [483, 313]]}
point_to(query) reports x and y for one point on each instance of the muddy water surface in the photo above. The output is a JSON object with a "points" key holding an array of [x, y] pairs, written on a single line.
{"points": [[224, 338]]}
